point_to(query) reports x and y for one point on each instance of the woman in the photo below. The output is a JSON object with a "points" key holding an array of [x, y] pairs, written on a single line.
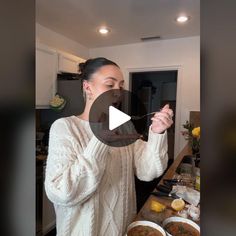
{"points": [[92, 184]]}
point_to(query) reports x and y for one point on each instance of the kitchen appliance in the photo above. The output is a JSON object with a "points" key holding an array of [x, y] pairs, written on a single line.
{"points": [[70, 87]]}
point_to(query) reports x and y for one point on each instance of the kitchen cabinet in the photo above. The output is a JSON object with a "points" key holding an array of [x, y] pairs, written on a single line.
{"points": [[39, 191], [48, 216], [46, 75], [45, 213], [50, 62], [68, 63]]}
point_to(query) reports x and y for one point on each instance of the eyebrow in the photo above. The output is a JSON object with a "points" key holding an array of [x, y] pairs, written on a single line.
{"points": [[113, 79]]}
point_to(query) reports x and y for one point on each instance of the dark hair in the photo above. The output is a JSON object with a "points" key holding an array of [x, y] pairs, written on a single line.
{"points": [[89, 67]]}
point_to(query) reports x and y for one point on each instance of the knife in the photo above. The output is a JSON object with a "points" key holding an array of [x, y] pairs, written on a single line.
{"points": [[171, 181], [164, 188], [162, 194]]}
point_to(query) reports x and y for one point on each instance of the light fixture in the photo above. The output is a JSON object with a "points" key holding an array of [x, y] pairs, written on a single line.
{"points": [[182, 19], [103, 30]]}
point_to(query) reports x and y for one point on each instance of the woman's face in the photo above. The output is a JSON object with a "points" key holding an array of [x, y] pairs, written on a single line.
{"points": [[106, 78]]}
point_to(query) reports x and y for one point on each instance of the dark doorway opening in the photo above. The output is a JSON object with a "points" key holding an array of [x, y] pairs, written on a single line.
{"points": [[155, 89]]}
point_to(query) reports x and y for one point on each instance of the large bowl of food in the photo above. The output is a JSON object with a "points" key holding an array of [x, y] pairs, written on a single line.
{"points": [[178, 226], [145, 228]]}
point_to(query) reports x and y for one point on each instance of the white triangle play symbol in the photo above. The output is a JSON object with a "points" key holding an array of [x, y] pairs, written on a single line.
{"points": [[117, 118]]}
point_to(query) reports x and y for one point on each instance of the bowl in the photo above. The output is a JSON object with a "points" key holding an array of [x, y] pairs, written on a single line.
{"points": [[180, 219], [146, 223], [58, 108]]}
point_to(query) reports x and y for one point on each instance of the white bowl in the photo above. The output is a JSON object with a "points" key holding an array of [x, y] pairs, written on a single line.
{"points": [[146, 223], [180, 219]]}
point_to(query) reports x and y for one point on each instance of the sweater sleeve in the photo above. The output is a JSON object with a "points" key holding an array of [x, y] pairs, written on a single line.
{"points": [[150, 158], [72, 177]]}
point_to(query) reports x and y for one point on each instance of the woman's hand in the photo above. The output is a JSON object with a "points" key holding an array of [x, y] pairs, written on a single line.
{"points": [[162, 120]]}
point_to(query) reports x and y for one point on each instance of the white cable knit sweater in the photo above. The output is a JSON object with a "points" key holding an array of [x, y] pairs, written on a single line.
{"points": [[92, 184]]}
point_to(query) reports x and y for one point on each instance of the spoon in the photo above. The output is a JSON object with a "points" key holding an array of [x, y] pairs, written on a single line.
{"points": [[141, 117]]}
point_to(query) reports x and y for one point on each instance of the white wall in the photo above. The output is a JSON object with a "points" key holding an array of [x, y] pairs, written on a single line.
{"points": [[60, 42], [183, 54]]}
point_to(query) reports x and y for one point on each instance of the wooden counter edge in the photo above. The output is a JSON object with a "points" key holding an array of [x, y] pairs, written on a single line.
{"points": [[171, 171]]}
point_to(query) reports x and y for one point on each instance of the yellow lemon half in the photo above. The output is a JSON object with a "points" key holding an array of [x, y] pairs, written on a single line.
{"points": [[178, 204], [157, 206]]}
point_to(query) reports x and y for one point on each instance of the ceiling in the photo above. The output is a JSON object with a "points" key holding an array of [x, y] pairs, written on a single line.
{"points": [[129, 20]]}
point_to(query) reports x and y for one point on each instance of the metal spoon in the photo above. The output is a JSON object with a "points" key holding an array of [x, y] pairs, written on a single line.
{"points": [[141, 117]]}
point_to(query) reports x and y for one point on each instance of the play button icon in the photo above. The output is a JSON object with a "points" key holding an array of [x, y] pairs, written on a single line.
{"points": [[110, 117], [117, 118]]}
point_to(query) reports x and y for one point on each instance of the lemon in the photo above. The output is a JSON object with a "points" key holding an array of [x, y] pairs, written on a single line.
{"points": [[157, 206], [178, 204]]}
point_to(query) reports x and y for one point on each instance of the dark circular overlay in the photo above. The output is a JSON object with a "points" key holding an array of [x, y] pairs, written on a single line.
{"points": [[126, 102]]}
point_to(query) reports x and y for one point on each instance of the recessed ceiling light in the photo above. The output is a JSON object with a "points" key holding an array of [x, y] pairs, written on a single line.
{"points": [[182, 19], [104, 30]]}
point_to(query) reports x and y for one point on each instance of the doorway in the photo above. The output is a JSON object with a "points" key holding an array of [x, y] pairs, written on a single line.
{"points": [[154, 89]]}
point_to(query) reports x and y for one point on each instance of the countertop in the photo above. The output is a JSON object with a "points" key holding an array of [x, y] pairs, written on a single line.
{"points": [[145, 213]]}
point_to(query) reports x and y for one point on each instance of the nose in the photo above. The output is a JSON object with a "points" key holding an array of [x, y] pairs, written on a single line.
{"points": [[117, 92]]}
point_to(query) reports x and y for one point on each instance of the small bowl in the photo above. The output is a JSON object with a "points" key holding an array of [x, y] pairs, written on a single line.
{"points": [[58, 108], [146, 223], [180, 219]]}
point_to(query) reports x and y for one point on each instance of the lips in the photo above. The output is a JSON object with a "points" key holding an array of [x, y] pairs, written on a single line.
{"points": [[115, 104]]}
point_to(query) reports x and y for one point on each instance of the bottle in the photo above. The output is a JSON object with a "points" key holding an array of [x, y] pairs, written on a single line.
{"points": [[197, 179]]}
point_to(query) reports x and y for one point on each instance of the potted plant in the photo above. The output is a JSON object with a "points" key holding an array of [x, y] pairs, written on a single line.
{"points": [[193, 134]]}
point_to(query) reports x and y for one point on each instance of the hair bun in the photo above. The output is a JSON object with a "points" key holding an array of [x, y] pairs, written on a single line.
{"points": [[81, 67], [89, 67]]}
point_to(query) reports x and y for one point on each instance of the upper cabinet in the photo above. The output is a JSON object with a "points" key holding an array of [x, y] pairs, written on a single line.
{"points": [[68, 63], [49, 62], [46, 75]]}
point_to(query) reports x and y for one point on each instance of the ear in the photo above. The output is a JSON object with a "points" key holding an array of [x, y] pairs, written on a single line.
{"points": [[86, 87]]}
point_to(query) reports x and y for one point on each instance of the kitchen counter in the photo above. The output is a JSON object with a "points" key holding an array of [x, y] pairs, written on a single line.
{"points": [[145, 213]]}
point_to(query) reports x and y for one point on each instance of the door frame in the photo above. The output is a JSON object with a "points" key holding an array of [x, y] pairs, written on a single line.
{"points": [[179, 69]]}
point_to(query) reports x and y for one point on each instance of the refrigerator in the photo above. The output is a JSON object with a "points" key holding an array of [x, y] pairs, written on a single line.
{"points": [[70, 87]]}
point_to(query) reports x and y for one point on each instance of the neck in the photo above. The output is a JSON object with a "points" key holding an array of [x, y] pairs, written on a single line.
{"points": [[85, 114]]}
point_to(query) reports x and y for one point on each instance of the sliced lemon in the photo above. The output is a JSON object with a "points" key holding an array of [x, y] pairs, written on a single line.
{"points": [[157, 206], [178, 204]]}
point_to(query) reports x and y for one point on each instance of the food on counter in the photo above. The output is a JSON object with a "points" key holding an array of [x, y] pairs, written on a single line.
{"points": [[141, 230], [194, 212], [157, 206], [57, 101], [178, 204], [181, 229], [183, 213]]}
